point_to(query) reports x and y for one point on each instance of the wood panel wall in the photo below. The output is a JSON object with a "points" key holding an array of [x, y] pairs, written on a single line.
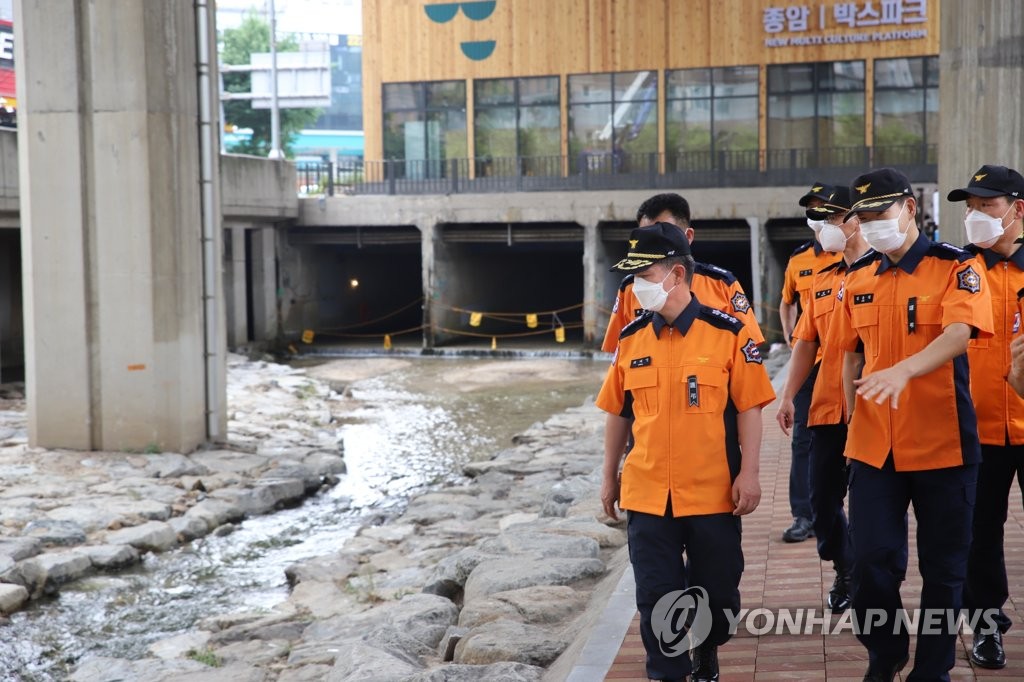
{"points": [[562, 37]]}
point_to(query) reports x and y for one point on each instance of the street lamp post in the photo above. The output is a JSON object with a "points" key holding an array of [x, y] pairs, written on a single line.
{"points": [[275, 112]]}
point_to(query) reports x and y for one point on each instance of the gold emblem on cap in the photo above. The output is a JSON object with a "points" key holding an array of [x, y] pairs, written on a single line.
{"points": [[816, 189], [632, 243], [863, 188], [978, 177]]}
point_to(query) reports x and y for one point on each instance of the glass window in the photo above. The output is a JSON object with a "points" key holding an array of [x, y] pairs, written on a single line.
{"points": [[711, 118], [613, 122], [424, 126], [906, 110], [517, 120], [816, 115]]}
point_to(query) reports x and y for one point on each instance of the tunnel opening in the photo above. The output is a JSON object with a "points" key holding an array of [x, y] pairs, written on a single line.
{"points": [[508, 285], [12, 327], [368, 283]]}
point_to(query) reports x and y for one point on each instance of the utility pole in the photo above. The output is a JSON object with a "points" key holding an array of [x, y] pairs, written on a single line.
{"points": [[275, 112]]}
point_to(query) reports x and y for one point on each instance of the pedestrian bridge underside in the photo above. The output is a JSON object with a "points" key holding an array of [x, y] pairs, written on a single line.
{"points": [[505, 270]]}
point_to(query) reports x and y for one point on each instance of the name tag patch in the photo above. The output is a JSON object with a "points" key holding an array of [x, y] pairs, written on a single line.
{"points": [[806, 273], [822, 293], [640, 362], [863, 298]]}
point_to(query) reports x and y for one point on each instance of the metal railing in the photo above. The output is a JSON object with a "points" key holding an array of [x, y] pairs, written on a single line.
{"points": [[587, 171]]}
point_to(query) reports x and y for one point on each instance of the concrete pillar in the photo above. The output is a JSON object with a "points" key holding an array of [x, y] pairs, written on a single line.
{"points": [[760, 262], [109, 165], [235, 293], [980, 119], [264, 284], [431, 312], [593, 279]]}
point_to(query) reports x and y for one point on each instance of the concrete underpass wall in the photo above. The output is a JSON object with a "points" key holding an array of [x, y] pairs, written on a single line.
{"points": [[12, 330]]}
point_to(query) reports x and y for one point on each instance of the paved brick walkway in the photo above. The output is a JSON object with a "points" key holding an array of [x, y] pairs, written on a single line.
{"points": [[780, 574]]}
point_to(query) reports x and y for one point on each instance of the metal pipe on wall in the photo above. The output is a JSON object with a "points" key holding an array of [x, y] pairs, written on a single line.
{"points": [[208, 219]]}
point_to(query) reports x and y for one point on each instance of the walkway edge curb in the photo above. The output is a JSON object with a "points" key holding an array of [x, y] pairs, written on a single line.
{"points": [[606, 636]]}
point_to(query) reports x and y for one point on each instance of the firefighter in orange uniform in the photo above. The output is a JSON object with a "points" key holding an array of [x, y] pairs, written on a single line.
{"points": [[995, 209], [715, 286], [827, 415], [907, 313], [808, 259], [687, 379]]}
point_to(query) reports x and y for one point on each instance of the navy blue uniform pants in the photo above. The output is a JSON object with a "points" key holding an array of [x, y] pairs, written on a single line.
{"points": [[828, 490], [943, 502], [714, 562], [800, 463], [986, 586]]}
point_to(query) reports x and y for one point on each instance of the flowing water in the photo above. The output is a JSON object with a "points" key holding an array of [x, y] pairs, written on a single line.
{"points": [[409, 427]]}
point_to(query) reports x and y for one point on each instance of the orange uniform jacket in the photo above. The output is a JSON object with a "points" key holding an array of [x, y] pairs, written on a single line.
{"points": [[804, 264], [892, 311], [827, 403], [683, 385], [1000, 409], [715, 286]]}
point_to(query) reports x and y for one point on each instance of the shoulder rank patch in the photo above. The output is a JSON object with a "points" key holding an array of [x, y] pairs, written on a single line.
{"points": [[615, 306], [740, 303], [640, 362], [725, 316], [806, 273], [863, 298], [822, 293], [751, 353], [968, 280]]}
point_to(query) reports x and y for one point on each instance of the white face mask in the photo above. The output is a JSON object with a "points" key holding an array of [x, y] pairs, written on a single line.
{"points": [[815, 225], [832, 238], [984, 230], [651, 295], [885, 236]]}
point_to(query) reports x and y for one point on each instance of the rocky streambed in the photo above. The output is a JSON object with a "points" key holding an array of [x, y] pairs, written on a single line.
{"points": [[483, 576]]}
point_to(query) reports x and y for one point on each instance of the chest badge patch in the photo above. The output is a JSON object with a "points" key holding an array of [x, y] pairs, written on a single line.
{"points": [[751, 353], [822, 293], [740, 303], [968, 280], [640, 362], [807, 273], [863, 298], [842, 289]]}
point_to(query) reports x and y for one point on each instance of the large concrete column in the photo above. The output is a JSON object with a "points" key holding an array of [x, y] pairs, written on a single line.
{"points": [[431, 251], [235, 294], [593, 279], [264, 284], [111, 224], [760, 264], [980, 117]]}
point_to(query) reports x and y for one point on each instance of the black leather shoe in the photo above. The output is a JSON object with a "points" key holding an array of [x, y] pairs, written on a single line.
{"points": [[886, 674], [987, 651], [799, 531], [839, 595], [704, 661]]}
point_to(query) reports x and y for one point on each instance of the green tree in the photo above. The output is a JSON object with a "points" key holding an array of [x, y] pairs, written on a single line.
{"points": [[253, 35]]}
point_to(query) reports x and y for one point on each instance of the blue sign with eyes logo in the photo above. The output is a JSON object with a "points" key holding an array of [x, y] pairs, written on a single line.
{"points": [[444, 12]]}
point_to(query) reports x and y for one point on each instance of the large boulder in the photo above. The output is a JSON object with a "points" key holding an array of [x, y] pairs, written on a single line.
{"points": [[500, 575], [504, 640]]}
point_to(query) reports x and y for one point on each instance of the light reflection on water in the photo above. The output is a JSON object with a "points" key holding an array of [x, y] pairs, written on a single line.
{"points": [[408, 431]]}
